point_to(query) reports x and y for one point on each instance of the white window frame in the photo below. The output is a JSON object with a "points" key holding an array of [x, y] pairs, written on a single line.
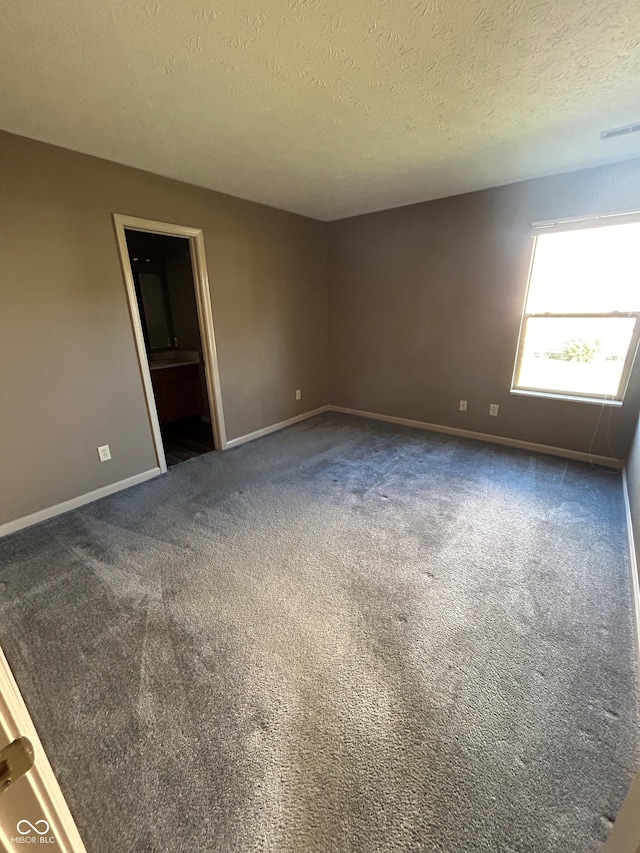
{"points": [[539, 229]]}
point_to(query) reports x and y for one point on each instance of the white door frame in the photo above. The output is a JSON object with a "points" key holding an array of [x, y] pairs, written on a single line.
{"points": [[15, 722], [205, 319], [625, 835]]}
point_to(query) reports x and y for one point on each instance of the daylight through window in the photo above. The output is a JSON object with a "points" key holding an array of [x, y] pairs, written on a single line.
{"points": [[580, 323]]}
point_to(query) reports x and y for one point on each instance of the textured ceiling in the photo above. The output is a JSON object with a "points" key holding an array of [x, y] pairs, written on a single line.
{"points": [[324, 107]]}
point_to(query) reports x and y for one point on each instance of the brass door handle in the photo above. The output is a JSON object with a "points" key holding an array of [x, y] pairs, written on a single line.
{"points": [[15, 760]]}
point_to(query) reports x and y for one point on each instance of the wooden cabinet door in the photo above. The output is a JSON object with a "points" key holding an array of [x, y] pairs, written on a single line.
{"points": [[177, 392]]}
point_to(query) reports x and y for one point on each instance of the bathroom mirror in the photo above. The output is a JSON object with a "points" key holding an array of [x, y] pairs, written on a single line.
{"points": [[155, 310]]}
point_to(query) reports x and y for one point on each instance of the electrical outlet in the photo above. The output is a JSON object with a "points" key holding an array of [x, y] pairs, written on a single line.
{"points": [[298, 394], [494, 408], [104, 454], [463, 405]]}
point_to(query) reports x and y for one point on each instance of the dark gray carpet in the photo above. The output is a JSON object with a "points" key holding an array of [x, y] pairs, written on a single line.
{"points": [[346, 636]]}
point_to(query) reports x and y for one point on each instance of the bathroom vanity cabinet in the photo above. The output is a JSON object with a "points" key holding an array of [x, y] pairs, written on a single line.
{"points": [[177, 391]]}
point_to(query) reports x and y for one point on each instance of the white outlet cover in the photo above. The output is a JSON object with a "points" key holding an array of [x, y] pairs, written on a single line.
{"points": [[463, 405], [104, 453], [298, 394], [494, 408]]}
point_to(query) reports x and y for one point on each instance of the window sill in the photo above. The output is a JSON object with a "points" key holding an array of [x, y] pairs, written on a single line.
{"points": [[570, 398]]}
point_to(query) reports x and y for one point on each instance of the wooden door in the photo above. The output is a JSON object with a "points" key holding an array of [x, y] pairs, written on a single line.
{"points": [[625, 835], [32, 808]]}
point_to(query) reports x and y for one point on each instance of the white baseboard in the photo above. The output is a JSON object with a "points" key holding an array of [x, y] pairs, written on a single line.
{"points": [[242, 439], [564, 452], [74, 503], [633, 565], [81, 500]]}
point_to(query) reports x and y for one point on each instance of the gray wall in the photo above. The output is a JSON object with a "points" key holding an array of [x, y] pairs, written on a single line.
{"points": [[633, 484], [70, 379], [424, 301], [425, 304]]}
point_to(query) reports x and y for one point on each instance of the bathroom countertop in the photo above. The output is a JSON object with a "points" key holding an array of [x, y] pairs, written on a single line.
{"points": [[161, 365], [174, 359]]}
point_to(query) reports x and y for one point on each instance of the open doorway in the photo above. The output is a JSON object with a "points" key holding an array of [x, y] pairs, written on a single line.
{"points": [[170, 308]]}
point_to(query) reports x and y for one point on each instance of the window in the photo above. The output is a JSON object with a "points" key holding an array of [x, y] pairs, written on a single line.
{"points": [[580, 324]]}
